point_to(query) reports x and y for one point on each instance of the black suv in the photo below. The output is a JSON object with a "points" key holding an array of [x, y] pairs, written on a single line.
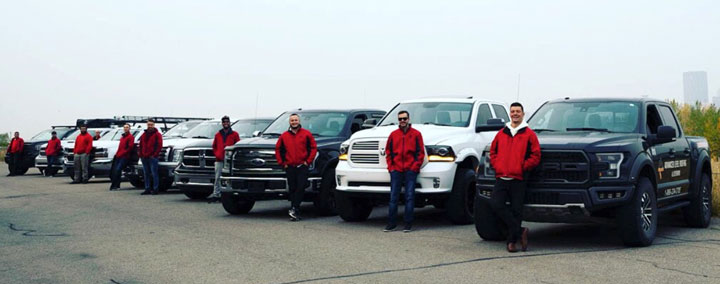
{"points": [[34, 147], [252, 172], [626, 159]]}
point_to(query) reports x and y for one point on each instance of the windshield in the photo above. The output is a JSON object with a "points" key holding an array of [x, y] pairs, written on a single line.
{"points": [[328, 124], [437, 113], [206, 129], [116, 134], [45, 135], [246, 128], [91, 131], [586, 116], [180, 129]]}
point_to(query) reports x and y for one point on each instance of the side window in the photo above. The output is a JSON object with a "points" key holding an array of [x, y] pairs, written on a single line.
{"points": [[669, 119], [357, 123], [483, 115], [653, 119], [501, 113]]}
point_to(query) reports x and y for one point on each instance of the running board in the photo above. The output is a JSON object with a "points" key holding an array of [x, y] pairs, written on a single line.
{"points": [[673, 206]]}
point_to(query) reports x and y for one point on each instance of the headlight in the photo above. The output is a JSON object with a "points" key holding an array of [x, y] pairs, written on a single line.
{"points": [[440, 153], [488, 170], [101, 153], [228, 157], [344, 152], [613, 161], [177, 155]]}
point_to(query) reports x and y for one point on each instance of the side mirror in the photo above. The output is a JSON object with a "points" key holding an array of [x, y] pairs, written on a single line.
{"points": [[369, 123], [493, 124], [665, 134], [257, 133]]}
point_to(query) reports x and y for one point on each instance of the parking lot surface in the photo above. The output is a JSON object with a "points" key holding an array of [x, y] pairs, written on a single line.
{"points": [[54, 232]]}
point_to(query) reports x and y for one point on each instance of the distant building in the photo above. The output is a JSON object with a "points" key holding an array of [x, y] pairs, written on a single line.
{"points": [[716, 99], [695, 87]]}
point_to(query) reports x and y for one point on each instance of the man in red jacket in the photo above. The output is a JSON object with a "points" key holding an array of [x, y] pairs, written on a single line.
{"points": [[223, 138], [514, 152], [82, 151], [149, 149], [15, 150], [405, 152], [127, 143], [52, 152], [295, 151]]}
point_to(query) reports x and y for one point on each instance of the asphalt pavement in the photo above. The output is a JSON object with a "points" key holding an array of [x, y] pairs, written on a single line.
{"points": [[55, 232]]}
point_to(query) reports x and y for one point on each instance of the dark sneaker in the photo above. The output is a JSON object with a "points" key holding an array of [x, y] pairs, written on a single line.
{"points": [[74, 182], [145, 192], [294, 215], [155, 192], [85, 182], [389, 228], [213, 199], [408, 228]]}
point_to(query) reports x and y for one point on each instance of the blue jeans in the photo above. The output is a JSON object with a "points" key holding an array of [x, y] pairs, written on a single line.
{"points": [[116, 172], [396, 184], [150, 172], [51, 160]]}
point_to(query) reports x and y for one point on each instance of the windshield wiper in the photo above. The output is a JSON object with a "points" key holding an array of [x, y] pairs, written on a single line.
{"points": [[278, 134], [544, 129], [203, 137], [438, 124], [588, 129]]}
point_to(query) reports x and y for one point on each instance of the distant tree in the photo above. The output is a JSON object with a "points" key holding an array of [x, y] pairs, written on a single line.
{"points": [[699, 120], [4, 139]]}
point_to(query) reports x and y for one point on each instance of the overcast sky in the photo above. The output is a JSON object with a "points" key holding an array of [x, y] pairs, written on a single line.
{"points": [[62, 60]]}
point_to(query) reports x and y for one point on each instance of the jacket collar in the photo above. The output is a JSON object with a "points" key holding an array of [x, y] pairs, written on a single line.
{"points": [[409, 127], [520, 129], [299, 129]]}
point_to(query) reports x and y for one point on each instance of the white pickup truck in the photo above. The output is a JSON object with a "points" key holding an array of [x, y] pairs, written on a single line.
{"points": [[455, 131]]}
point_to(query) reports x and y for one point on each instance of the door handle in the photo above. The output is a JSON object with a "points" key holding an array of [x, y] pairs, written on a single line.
{"points": [[671, 152], [687, 151]]}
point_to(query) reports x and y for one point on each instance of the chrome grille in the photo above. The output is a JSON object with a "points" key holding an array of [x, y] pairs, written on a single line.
{"points": [[366, 145], [198, 158], [365, 158], [255, 161], [163, 156]]}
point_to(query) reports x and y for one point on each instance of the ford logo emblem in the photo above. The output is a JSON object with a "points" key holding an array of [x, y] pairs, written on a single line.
{"points": [[257, 162]]}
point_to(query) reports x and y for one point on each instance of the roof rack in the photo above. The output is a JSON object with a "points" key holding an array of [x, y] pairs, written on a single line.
{"points": [[165, 121]]}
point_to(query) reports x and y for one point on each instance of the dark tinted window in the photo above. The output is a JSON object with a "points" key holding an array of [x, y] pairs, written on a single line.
{"points": [[669, 119]]}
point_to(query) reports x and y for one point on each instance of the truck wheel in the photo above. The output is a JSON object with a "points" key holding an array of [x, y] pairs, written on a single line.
{"points": [[22, 171], [352, 209], [165, 184], [42, 171], [325, 200], [460, 202], [51, 171], [136, 182], [698, 213], [236, 206], [487, 225], [196, 195], [638, 219]]}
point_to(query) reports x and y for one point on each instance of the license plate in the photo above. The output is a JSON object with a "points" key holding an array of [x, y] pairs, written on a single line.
{"points": [[256, 186]]}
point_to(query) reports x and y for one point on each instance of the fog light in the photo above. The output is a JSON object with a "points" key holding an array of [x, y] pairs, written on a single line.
{"points": [[436, 182], [223, 182]]}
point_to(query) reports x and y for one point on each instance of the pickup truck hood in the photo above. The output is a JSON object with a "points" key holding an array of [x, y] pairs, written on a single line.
{"points": [[584, 140], [269, 142], [181, 143], [432, 134]]}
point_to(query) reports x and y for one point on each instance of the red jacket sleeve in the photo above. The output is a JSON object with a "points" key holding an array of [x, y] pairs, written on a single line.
{"points": [[534, 159], [236, 138], [88, 148], [421, 153], [313, 149], [215, 144], [22, 145], [388, 153], [493, 151], [159, 144], [279, 148]]}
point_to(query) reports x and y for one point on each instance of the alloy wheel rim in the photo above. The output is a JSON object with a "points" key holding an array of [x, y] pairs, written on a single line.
{"points": [[646, 211], [705, 198]]}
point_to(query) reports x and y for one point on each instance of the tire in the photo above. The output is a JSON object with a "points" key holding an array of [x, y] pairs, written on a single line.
{"points": [[72, 176], [459, 204], [51, 171], [352, 209], [637, 220], [487, 225], [22, 171], [136, 182], [196, 195], [236, 206], [165, 184], [42, 171], [325, 201], [699, 212]]}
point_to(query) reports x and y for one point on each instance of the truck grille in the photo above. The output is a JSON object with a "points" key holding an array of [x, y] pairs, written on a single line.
{"points": [[562, 167], [198, 158], [70, 155], [365, 145], [365, 158], [163, 156], [255, 161]]}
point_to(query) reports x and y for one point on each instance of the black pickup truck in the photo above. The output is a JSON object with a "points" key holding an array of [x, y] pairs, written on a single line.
{"points": [[252, 172], [604, 159]]}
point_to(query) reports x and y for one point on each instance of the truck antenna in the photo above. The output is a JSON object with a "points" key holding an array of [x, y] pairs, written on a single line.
{"points": [[257, 99], [518, 89]]}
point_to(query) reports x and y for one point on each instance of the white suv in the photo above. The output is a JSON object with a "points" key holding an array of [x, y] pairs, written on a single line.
{"points": [[455, 132]]}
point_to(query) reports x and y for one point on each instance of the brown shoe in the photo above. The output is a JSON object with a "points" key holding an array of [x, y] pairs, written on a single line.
{"points": [[524, 238], [511, 247]]}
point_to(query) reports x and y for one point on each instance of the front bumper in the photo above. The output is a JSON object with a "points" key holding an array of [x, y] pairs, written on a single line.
{"points": [[195, 182], [41, 162], [263, 188], [434, 178], [166, 170]]}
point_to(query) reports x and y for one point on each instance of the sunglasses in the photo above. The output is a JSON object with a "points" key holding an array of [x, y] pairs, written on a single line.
{"points": [[403, 118]]}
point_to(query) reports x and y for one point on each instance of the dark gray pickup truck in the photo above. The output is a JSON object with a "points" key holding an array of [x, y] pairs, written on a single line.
{"points": [[622, 159]]}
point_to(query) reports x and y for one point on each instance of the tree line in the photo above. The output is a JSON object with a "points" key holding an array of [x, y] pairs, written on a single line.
{"points": [[700, 120]]}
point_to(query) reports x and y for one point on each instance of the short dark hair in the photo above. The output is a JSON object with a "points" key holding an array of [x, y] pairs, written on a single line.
{"points": [[224, 118], [53, 132], [517, 104], [17, 132], [151, 120], [405, 112], [294, 114]]}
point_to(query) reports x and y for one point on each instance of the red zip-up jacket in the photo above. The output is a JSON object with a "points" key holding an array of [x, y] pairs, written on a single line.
{"points": [[405, 151], [53, 147], [294, 149], [16, 145], [221, 141], [127, 143], [83, 144], [512, 156], [150, 144]]}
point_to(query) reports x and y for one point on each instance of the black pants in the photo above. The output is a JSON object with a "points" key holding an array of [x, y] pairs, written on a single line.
{"points": [[116, 172], [15, 163], [297, 179], [514, 192]]}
